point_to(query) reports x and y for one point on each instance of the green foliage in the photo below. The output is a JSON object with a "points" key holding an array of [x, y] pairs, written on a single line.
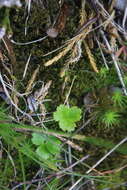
{"points": [[125, 80], [110, 118], [67, 117], [115, 181], [119, 99], [4, 19], [54, 184], [45, 149], [48, 147], [37, 139], [20, 143], [103, 72]]}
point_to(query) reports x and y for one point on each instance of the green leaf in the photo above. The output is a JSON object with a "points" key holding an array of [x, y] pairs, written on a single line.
{"points": [[53, 145], [67, 117], [37, 139], [52, 148], [43, 152]]}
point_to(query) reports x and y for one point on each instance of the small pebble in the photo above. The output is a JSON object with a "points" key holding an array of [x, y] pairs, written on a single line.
{"points": [[52, 32]]}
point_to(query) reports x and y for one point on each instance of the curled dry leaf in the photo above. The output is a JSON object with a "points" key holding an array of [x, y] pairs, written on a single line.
{"points": [[32, 103], [35, 101]]}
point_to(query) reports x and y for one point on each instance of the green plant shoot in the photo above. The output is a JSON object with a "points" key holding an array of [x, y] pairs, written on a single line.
{"points": [[47, 146], [67, 117], [110, 118]]}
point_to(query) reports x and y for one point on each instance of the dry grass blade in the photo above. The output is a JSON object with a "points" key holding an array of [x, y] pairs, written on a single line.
{"points": [[79, 161], [32, 80], [43, 91], [73, 145], [10, 49], [115, 63], [61, 54], [91, 58], [76, 53]]}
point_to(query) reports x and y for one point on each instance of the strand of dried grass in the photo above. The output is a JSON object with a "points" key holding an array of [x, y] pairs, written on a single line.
{"points": [[109, 20], [106, 155], [106, 15], [112, 5], [112, 31], [77, 50], [31, 81], [114, 36], [91, 57], [72, 144], [88, 51], [83, 14], [10, 49], [61, 54], [76, 53], [115, 62]]}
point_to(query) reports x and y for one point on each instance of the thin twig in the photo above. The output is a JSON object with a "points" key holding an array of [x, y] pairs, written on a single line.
{"points": [[73, 165], [26, 67], [104, 157], [27, 43], [115, 63]]}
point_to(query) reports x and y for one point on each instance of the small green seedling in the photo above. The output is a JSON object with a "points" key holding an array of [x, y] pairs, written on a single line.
{"points": [[110, 118], [67, 117], [119, 99], [48, 147]]}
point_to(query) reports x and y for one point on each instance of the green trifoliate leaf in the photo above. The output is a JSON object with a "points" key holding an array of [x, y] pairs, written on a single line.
{"points": [[53, 145], [43, 152], [67, 117], [37, 139], [52, 148]]}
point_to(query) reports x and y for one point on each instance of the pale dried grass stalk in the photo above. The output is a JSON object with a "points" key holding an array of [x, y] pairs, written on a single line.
{"points": [[31, 81], [76, 53], [64, 70], [61, 54], [114, 37], [109, 20], [83, 14], [91, 58], [16, 101], [73, 145], [43, 91], [106, 155], [112, 5]]}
